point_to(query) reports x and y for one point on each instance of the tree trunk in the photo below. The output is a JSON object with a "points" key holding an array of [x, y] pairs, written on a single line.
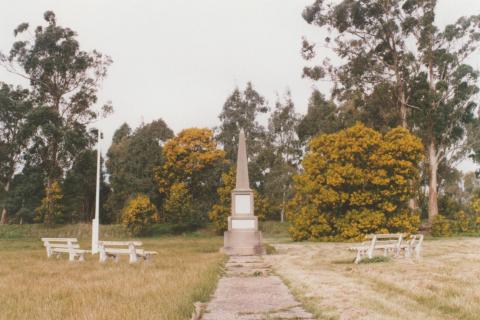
{"points": [[282, 213], [4, 218], [403, 109], [432, 182]]}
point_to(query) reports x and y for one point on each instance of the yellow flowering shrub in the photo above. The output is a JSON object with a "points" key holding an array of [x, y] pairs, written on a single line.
{"points": [[462, 221], [51, 210], [440, 226], [138, 214], [190, 175], [354, 182], [476, 212], [187, 156]]}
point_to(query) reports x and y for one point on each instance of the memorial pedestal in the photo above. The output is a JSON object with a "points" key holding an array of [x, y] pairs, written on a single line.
{"points": [[242, 237]]}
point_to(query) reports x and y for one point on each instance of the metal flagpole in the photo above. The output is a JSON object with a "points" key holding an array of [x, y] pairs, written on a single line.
{"points": [[96, 221]]}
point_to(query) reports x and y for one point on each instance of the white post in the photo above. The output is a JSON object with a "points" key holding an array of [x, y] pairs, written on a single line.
{"points": [[96, 221]]}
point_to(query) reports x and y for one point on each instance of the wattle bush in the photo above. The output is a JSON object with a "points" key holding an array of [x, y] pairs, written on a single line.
{"points": [[355, 182], [138, 214], [441, 226]]}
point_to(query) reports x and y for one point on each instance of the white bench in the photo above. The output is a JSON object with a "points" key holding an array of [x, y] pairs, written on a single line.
{"points": [[413, 245], [387, 243], [57, 246], [113, 249]]}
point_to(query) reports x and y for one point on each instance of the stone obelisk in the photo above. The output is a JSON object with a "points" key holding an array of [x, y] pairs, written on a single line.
{"points": [[242, 237]]}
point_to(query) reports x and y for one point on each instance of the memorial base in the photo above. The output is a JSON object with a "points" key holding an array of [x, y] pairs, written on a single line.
{"points": [[243, 243]]}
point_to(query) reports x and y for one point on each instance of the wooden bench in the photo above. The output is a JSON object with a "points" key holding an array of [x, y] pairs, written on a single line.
{"points": [[57, 246], [388, 243], [413, 246], [113, 249]]}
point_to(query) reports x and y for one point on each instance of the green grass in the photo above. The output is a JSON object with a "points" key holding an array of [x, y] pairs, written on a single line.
{"points": [[275, 231], [376, 259]]}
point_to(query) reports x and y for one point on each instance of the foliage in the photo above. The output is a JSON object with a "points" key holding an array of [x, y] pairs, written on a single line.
{"points": [[15, 107], [79, 189], [26, 193], [373, 39], [222, 209], [355, 182], [51, 210], [241, 111], [322, 117], [286, 152], [139, 213], [395, 55], [194, 163], [132, 158], [64, 83], [462, 222], [441, 226], [475, 207], [179, 207]]}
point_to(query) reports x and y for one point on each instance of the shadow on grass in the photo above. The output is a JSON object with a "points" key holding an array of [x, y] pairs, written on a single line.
{"points": [[343, 261]]}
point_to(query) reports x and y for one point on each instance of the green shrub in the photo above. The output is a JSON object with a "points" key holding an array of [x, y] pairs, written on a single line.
{"points": [[440, 226], [138, 214], [179, 207]]}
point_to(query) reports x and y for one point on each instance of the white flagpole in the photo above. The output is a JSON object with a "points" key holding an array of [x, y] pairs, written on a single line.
{"points": [[96, 221]]}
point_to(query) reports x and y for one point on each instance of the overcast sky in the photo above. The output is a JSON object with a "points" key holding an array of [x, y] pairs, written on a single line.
{"points": [[179, 60]]}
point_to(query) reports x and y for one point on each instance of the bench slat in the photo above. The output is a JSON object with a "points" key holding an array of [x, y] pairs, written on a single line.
{"points": [[385, 236], [59, 239], [120, 243], [122, 251], [64, 250], [61, 245]]}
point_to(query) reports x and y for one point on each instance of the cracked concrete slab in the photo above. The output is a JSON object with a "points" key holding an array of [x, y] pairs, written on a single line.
{"points": [[249, 291]]}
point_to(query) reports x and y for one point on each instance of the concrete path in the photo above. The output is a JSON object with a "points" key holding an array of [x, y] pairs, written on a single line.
{"points": [[249, 291]]}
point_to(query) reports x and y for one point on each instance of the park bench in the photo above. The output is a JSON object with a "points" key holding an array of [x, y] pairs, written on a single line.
{"points": [[413, 245], [388, 243], [57, 246], [114, 249]]}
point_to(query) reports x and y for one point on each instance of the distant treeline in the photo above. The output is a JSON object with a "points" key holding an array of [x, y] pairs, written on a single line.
{"points": [[398, 70]]}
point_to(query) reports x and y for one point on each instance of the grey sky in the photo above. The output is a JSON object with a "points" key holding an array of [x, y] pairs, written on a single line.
{"points": [[179, 60]]}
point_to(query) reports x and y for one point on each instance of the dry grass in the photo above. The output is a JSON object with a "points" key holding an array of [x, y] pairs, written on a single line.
{"points": [[34, 287], [445, 284]]}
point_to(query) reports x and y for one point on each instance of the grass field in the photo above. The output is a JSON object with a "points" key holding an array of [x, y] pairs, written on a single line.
{"points": [[34, 287], [445, 284]]}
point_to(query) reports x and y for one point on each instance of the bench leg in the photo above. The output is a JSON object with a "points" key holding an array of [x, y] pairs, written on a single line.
{"points": [[358, 257], [81, 257], [116, 258], [133, 258], [370, 254], [417, 253], [71, 257], [408, 252], [103, 257]]}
